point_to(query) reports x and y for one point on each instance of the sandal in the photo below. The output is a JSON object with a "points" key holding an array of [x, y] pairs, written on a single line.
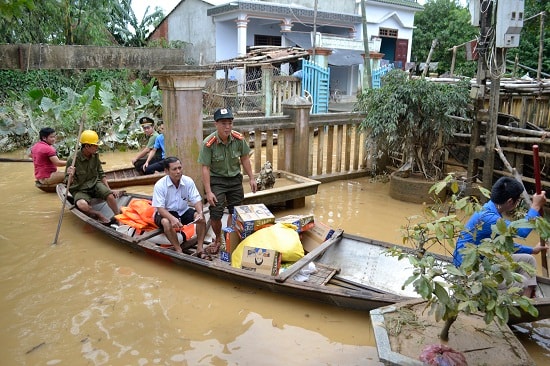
{"points": [[202, 255], [213, 248]]}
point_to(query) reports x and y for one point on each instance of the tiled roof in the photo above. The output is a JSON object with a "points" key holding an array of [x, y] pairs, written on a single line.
{"points": [[259, 55]]}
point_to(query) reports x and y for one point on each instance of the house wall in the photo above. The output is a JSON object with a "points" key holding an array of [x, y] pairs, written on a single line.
{"points": [[261, 27], [226, 36], [189, 23], [385, 15], [216, 38]]}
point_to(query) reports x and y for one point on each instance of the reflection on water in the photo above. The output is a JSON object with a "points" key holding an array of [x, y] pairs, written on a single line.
{"points": [[91, 300]]}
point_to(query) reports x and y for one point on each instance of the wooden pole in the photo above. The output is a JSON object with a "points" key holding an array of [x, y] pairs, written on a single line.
{"points": [[538, 188], [367, 67], [425, 71], [69, 180], [541, 44]]}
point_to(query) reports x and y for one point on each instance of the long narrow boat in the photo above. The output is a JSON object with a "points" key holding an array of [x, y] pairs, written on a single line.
{"points": [[117, 178], [352, 272]]}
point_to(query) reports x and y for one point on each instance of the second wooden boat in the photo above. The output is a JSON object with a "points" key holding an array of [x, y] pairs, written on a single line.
{"points": [[117, 178]]}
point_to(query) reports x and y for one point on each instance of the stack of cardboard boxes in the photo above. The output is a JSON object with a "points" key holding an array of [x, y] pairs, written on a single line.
{"points": [[250, 218]]}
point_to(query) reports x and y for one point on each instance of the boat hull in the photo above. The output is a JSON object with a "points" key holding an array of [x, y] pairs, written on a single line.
{"points": [[361, 276]]}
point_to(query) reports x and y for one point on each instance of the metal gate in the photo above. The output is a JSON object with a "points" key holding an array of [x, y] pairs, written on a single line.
{"points": [[377, 75], [315, 82]]}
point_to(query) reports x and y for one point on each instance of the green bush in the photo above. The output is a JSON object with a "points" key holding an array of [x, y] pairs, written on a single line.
{"points": [[410, 116], [110, 103]]}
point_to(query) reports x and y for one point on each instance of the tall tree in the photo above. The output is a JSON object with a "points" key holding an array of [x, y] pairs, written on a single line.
{"points": [[128, 30], [449, 23], [84, 22]]}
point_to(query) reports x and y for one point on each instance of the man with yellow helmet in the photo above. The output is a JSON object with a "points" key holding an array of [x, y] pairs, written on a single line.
{"points": [[88, 179]]}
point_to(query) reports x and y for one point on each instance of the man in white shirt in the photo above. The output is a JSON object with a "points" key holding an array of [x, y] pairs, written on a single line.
{"points": [[178, 202]]}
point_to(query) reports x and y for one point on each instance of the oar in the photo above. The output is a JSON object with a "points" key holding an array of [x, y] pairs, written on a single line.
{"points": [[69, 181], [538, 188], [12, 160]]}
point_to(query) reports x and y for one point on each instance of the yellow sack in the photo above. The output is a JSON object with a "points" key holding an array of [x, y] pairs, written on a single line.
{"points": [[281, 237]]}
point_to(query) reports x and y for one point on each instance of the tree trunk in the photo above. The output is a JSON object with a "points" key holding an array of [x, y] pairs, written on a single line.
{"points": [[444, 335]]}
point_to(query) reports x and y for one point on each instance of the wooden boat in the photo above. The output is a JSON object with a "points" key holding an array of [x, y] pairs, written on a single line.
{"points": [[289, 189], [352, 272], [117, 178]]}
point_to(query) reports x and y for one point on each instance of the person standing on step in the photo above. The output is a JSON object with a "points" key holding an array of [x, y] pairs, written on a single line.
{"points": [[148, 126], [221, 156], [45, 160], [178, 202]]}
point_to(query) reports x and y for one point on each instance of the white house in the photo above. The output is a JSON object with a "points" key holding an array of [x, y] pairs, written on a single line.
{"points": [[221, 29]]}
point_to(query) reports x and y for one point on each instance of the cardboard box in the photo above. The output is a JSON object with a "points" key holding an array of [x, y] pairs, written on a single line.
{"points": [[302, 222], [259, 260], [315, 236], [230, 240], [249, 218]]}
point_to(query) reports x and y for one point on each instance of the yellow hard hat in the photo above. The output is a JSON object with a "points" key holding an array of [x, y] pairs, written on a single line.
{"points": [[89, 137]]}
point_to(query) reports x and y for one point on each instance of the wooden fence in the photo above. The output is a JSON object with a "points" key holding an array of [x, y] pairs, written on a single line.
{"points": [[335, 146], [283, 88]]}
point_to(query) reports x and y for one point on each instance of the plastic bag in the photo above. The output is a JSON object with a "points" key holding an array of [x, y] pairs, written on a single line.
{"points": [[280, 237]]}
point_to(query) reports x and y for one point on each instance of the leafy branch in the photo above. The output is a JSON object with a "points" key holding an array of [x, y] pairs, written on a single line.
{"points": [[487, 281]]}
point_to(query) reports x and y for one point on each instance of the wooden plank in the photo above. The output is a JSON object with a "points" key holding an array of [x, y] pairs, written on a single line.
{"points": [[330, 148], [258, 148], [356, 147], [347, 160], [336, 237], [311, 150], [339, 147], [320, 149], [269, 146]]}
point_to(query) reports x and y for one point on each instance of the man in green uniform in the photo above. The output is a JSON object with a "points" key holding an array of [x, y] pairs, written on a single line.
{"points": [[148, 126], [221, 156], [87, 179]]}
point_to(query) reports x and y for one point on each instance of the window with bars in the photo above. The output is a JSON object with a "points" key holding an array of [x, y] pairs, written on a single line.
{"points": [[388, 32], [260, 40]]}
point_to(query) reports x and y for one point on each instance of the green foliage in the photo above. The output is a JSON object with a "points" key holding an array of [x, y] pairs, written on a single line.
{"points": [[109, 112], [485, 282], [449, 23], [411, 116], [127, 29], [84, 22]]}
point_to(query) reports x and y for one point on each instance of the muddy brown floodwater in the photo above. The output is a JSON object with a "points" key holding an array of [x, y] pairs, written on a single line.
{"points": [[89, 300]]}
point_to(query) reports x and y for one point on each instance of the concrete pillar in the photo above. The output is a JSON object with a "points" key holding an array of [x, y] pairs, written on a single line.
{"points": [[267, 91], [298, 147], [286, 25], [297, 143], [242, 24], [240, 73], [321, 56], [375, 58], [182, 87]]}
